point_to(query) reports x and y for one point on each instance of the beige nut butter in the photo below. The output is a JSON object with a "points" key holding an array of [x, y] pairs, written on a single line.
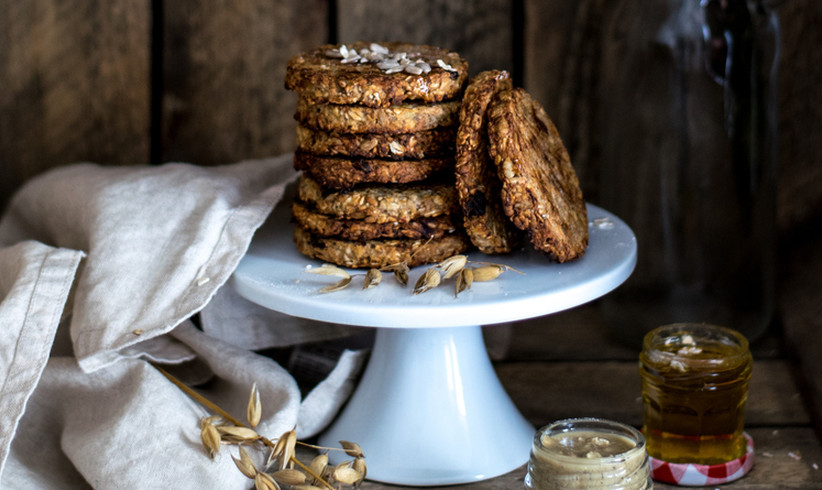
{"points": [[588, 453]]}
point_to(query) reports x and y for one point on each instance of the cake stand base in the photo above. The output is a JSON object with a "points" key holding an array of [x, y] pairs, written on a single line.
{"points": [[430, 410]]}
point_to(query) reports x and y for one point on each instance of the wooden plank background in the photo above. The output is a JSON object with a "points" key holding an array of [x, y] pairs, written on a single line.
{"points": [[130, 82]]}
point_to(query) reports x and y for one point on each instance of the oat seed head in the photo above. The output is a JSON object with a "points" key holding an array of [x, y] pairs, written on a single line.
{"points": [[285, 448], [263, 481], [329, 270], [352, 449], [213, 420], [319, 464], [452, 265], [238, 433], [289, 476], [400, 271], [245, 464], [359, 465], [346, 474], [372, 278], [464, 281], [210, 438], [336, 287], [486, 273], [255, 409], [429, 280]]}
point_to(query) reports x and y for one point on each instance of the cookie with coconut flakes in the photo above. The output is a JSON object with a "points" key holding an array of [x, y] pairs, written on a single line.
{"points": [[379, 253], [376, 75], [540, 189], [477, 183]]}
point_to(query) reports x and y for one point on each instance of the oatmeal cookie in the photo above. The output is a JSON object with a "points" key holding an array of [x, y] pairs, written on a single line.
{"points": [[376, 75], [357, 230], [380, 203], [346, 172], [379, 253], [408, 117], [540, 189], [423, 144], [478, 187]]}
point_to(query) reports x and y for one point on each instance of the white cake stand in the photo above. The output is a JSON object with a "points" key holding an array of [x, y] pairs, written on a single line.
{"points": [[430, 409]]}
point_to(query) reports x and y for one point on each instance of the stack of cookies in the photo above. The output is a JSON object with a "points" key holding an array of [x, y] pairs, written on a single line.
{"points": [[405, 160], [376, 146]]}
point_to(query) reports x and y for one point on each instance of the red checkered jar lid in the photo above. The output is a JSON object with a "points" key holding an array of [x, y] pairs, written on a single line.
{"points": [[687, 474]]}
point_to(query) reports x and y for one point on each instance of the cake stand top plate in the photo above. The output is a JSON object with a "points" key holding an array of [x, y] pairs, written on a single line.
{"points": [[275, 275]]}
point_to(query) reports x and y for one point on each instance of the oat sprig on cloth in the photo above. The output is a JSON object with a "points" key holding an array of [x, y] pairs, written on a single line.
{"points": [[279, 468]]}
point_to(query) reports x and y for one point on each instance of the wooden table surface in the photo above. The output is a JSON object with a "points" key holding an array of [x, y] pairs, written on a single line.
{"points": [[569, 365]]}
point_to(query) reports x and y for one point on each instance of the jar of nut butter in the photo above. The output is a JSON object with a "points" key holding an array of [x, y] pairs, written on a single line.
{"points": [[588, 453]]}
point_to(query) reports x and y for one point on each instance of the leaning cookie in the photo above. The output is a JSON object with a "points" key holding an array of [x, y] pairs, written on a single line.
{"points": [[345, 172], [409, 117], [478, 187], [380, 203], [379, 253], [376, 75], [357, 230], [432, 143], [540, 189]]}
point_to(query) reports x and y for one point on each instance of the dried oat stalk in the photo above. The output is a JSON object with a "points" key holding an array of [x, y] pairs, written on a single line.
{"points": [[282, 469]]}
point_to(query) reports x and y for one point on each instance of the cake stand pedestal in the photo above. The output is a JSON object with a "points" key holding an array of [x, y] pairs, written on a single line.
{"points": [[430, 409]]}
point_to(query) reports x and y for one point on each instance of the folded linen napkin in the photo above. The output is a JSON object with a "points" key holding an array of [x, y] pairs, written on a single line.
{"points": [[101, 268]]}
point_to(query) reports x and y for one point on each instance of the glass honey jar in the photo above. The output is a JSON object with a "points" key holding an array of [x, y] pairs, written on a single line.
{"points": [[694, 388]]}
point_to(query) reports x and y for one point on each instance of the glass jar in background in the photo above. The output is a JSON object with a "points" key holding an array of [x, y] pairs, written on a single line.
{"points": [[694, 388], [589, 453], [695, 167]]}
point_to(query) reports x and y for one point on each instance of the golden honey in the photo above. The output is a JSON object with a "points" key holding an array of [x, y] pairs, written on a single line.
{"points": [[694, 388]]}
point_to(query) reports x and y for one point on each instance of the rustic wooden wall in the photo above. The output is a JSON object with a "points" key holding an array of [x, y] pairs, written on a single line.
{"points": [[130, 81], [75, 85], [126, 82], [222, 84]]}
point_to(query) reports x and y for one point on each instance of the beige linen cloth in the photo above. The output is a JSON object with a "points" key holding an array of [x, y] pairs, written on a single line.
{"points": [[101, 270]]}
